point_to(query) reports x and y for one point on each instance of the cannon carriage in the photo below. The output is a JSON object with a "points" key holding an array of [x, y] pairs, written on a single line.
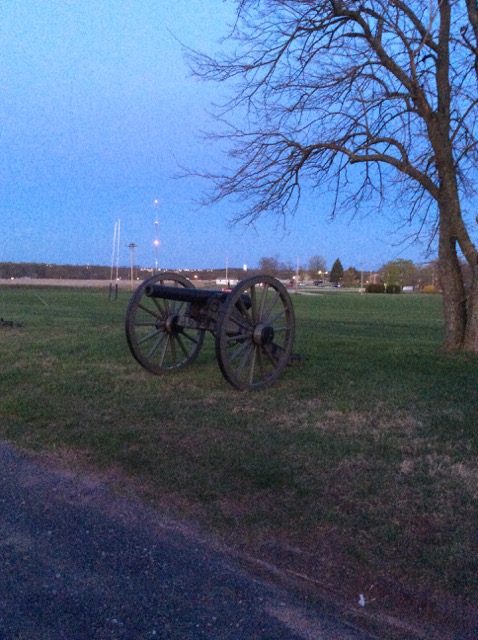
{"points": [[253, 326]]}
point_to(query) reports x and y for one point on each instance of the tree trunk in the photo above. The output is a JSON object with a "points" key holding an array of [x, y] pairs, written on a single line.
{"points": [[451, 282], [470, 343]]}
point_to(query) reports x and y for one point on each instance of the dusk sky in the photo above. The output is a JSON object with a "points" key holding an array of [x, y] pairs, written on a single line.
{"points": [[98, 110]]}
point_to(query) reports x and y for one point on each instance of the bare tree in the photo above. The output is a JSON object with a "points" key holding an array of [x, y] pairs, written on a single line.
{"points": [[269, 265], [369, 99], [317, 266]]}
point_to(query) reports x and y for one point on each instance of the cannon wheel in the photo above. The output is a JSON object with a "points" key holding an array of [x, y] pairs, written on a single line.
{"points": [[153, 337], [255, 333]]}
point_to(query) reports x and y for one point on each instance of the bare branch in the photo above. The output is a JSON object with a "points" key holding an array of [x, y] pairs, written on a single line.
{"points": [[353, 97]]}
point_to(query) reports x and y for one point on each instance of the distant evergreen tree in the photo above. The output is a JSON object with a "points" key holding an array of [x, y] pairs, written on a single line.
{"points": [[337, 272]]}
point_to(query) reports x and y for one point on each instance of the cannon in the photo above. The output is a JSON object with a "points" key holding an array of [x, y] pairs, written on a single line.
{"points": [[253, 326]]}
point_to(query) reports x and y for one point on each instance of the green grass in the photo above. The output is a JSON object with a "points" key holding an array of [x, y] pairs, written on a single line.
{"points": [[363, 456]]}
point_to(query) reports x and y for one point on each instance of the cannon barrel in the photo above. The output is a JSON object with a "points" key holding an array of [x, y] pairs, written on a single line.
{"points": [[190, 294], [183, 294]]}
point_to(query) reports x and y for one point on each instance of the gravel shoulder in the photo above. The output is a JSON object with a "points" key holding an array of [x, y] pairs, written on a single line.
{"points": [[78, 561]]}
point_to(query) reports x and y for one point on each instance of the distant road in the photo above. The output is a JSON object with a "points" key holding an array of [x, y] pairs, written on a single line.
{"points": [[71, 282], [60, 282]]}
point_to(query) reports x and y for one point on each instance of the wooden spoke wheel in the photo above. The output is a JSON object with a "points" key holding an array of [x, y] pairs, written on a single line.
{"points": [[255, 333], [154, 336]]}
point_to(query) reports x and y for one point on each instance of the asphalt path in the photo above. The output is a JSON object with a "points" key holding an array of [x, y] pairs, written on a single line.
{"points": [[77, 562]]}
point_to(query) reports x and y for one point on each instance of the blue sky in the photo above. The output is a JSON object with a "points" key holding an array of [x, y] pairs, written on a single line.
{"points": [[96, 110]]}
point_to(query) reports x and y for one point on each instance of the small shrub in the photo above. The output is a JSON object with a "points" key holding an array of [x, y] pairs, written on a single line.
{"points": [[429, 288], [393, 288], [375, 288]]}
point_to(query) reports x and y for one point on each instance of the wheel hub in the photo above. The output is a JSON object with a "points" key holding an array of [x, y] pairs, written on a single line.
{"points": [[263, 334], [171, 324]]}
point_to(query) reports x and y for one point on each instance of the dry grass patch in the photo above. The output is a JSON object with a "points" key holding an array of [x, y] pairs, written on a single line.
{"points": [[468, 475]]}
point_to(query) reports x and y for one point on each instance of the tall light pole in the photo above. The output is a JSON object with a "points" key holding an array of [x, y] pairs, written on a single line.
{"points": [[156, 238], [113, 253], [132, 246], [118, 235]]}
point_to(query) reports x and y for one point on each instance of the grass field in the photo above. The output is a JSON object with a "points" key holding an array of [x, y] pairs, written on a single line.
{"points": [[357, 472]]}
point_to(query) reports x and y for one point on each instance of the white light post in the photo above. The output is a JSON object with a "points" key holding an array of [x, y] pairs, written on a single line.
{"points": [[156, 238], [132, 246]]}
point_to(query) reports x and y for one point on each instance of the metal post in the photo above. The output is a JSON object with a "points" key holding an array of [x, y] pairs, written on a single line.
{"points": [[132, 246]]}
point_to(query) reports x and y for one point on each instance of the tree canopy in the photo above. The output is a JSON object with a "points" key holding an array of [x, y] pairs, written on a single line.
{"points": [[401, 272], [364, 99]]}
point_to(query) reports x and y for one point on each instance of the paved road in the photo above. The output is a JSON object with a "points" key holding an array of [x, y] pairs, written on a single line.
{"points": [[77, 563]]}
